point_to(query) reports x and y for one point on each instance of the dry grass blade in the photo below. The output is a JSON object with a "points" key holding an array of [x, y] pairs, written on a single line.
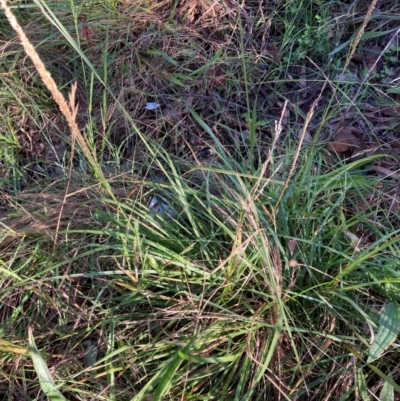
{"points": [[300, 144], [69, 113], [360, 32], [373, 68]]}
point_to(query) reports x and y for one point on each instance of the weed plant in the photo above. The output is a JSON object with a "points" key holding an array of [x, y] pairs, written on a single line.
{"points": [[192, 238]]}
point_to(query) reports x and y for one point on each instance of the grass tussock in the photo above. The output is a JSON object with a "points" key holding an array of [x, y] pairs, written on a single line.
{"points": [[210, 212]]}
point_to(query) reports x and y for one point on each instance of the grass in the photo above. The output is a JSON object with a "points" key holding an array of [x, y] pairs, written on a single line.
{"points": [[212, 248]]}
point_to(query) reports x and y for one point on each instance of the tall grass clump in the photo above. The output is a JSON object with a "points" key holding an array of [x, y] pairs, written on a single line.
{"points": [[231, 286], [178, 229]]}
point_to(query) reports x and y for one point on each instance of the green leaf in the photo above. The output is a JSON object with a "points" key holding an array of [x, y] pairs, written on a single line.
{"points": [[46, 381], [396, 91], [366, 35], [166, 378], [165, 56], [388, 287], [91, 353], [173, 79], [362, 386], [389, 325], [386, 378], [391, 291], [208, 360], [387, 392]]}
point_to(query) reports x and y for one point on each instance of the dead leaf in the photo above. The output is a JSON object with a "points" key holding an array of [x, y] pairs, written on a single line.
{"points": [[292, 246], [373, 148], [371, 64], [357, 57], [188, 10], [387, 172], [230, 6], [285, 116], [9, 347], [395, 143], [391, 111], [395, 204], [303, 78], [272, 50], [307, 136], [363, 205], [372, 55], [345, 139], [330, 32], [347, 77], [86, 33], [354, 240], [217, 77]]}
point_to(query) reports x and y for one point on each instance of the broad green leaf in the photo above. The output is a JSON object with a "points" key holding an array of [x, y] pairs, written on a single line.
{"points": [[389, 288], [91, 353], [391, 291], [362, 385], [387, 392], [46, 381], [389, 325]]}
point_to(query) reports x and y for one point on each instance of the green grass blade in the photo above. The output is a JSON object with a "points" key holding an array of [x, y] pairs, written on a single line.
{"points": [[46, 381], [362, 385], [389, 325], [166, 377]]}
